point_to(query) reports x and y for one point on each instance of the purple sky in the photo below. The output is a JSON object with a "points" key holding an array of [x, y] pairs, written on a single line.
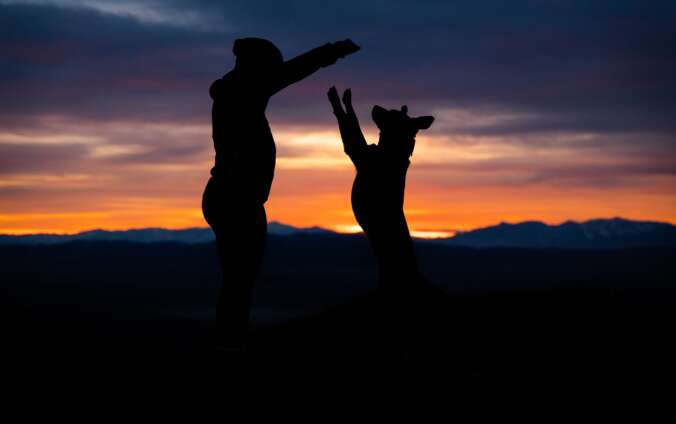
{"points": [[104, 109]]}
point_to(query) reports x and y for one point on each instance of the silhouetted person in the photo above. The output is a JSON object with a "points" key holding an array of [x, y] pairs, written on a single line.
{"points": [[378, 188], [245, 161]]}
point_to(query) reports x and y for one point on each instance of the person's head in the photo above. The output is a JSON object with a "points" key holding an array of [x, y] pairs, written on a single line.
{"points": [[256, 54], [398, 130]]}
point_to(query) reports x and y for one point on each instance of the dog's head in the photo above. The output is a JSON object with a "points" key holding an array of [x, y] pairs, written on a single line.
{"points": [[397, 129]]}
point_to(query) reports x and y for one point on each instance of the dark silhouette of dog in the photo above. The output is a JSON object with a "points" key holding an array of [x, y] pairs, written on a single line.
{"points": [[378, 188], [234, 197]]}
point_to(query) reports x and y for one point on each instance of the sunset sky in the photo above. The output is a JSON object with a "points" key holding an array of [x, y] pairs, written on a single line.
{"points": [[545, 110]]}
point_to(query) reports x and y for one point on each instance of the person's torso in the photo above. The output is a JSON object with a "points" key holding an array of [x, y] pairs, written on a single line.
{"points": [[245, 147]]}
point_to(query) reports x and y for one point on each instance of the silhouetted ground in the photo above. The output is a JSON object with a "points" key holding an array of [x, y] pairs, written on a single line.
{"points": [[579, 352]]}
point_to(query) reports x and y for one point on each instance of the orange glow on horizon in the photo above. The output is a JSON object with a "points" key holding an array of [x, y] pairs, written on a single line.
{"points": [[429, 215], [454, 184]]}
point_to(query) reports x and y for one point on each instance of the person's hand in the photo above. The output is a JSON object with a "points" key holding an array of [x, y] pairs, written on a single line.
{"points": [[345, 47]]}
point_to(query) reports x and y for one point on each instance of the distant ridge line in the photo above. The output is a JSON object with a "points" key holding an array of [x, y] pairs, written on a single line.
{"points": [[595, 233]]}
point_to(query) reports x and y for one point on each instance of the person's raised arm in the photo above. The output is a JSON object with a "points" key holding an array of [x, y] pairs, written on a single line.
{"points": [[350, 131], [306, 64]]}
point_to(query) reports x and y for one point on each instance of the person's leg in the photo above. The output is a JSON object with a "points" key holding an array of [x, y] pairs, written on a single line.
{"points": [[240, 228], [241, 244]]}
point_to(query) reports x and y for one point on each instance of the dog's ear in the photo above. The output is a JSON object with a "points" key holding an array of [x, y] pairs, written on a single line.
{"points": [[379, 115], [423, 122]]}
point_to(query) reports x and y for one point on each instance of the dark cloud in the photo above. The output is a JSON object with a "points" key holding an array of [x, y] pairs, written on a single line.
{"points": [[87, 64], [603, 66], [158, 155], [600, 169], [40, 158]]}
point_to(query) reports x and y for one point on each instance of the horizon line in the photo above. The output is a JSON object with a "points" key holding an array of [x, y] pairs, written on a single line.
{"points": [[347, 229]]}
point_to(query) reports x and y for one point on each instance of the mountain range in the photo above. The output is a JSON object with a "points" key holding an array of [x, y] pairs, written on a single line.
{"points": [[597, 233], [147, 235]]}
